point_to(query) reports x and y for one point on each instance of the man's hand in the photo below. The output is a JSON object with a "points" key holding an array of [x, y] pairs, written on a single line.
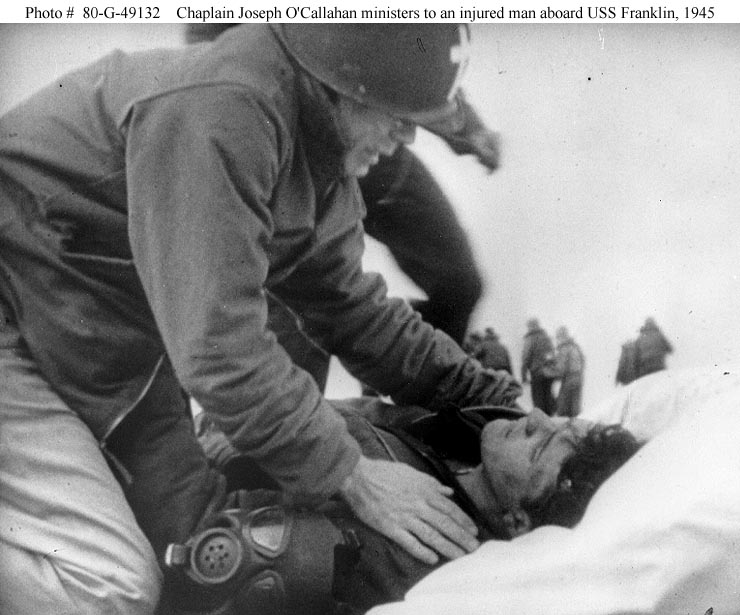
{"points": [[411, 508]]}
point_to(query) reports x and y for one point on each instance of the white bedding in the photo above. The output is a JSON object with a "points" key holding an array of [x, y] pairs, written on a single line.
{"points": [[661, 537]]}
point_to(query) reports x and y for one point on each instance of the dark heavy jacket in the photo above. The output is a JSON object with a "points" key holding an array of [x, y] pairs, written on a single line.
{"points": [[148, 201], [384, 572], [627, 368], [409, 213], [537, 352], [651, 348], [493, 354], [570, 361]]}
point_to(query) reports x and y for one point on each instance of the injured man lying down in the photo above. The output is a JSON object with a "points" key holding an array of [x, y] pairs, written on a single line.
{"points": [[510, 472], [660, 537]]}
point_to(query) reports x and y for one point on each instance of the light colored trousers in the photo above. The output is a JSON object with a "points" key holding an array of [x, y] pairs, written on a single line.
{"points": [[69, 543]]}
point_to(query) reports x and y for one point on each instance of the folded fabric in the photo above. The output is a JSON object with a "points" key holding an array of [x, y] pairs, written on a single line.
{"points": [[661, 537]]}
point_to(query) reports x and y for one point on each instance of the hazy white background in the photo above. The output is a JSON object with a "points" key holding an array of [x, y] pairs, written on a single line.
{"points": [[617, 198]]}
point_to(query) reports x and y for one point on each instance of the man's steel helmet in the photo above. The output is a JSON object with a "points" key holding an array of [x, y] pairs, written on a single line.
{"points": [[411, 71]]}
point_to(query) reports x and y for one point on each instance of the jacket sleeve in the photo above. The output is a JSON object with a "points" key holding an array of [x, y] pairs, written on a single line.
{"points": [[382, 341], [409, 212], [466, 133], [200, 174]]}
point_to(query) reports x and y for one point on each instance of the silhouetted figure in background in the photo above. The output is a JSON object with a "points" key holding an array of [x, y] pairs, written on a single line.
{"points": [[538, 366], [652, 348], [627, 368], [492, 353], [570, 365]]}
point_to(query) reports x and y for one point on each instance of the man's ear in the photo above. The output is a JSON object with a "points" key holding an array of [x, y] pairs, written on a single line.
{"points": [[517, 522]]}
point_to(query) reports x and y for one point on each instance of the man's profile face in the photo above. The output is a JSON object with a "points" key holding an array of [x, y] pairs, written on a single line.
{"points": [[523, 458], [368, 133]]}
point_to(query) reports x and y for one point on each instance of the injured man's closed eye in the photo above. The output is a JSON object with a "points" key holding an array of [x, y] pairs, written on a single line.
{"points": [[509, 471]]}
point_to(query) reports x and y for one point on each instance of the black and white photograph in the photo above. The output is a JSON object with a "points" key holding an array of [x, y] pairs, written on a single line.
{"points": [[325, 316]]}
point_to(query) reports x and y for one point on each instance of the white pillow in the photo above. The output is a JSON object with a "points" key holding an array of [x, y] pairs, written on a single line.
{"points": [[649, 405]]}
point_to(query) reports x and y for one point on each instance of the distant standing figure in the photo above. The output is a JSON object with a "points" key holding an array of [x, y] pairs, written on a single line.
{"points": [[627, 368], [538, 366], [492, 353], [652, 348], [570, 364]]}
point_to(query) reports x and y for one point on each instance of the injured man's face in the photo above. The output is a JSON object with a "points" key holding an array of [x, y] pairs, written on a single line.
{"points": [[522, 459], [522, 468]]}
